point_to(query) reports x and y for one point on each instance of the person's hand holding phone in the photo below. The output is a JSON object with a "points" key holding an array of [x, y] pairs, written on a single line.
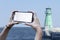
{"points": [[36, 26], [11, 22], [5, 31]]}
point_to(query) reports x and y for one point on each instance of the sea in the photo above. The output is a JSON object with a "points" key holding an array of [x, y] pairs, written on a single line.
{"points": [[27, 33]]}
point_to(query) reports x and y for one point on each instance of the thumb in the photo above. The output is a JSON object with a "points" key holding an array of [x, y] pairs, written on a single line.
{"points": [[15, 22]]}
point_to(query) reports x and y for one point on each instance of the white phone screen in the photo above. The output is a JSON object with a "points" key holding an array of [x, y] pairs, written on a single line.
{"points": [[24, 17]]}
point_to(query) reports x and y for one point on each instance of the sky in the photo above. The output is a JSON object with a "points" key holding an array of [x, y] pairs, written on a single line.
{"points": [[38, 6]]}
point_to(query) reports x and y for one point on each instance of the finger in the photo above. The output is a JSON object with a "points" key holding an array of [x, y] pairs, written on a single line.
{"points": [[35, 17], [11, 17], [16, 22], [29, 24]]}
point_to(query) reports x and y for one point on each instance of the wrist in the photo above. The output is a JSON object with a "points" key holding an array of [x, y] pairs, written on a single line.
{"points": [[38, 28]]}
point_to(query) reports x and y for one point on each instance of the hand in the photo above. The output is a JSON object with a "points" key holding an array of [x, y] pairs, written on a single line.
{"points": [[11, 22], [35, 24], [5, 31]]}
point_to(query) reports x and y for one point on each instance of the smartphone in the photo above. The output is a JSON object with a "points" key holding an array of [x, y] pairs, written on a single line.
{"points": [[22, 16]]}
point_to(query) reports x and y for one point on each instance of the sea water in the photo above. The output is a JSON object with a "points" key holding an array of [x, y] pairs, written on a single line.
{"points": [[27, 33]]}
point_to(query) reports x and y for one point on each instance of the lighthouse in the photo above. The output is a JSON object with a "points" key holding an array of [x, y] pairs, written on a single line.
{"points": [[48, 20]]}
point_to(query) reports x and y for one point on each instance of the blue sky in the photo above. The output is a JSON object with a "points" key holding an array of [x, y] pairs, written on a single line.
{"points": [[38, 6]]}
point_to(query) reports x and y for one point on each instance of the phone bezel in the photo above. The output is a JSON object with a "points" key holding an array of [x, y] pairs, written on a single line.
{"points": [[13, 14]]}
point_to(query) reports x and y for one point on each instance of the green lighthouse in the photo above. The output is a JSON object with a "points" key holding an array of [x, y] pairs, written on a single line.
{"points": [[48, 19]]}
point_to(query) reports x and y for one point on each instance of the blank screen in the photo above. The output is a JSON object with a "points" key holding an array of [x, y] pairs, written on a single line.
{"points": [[24, 17]]}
